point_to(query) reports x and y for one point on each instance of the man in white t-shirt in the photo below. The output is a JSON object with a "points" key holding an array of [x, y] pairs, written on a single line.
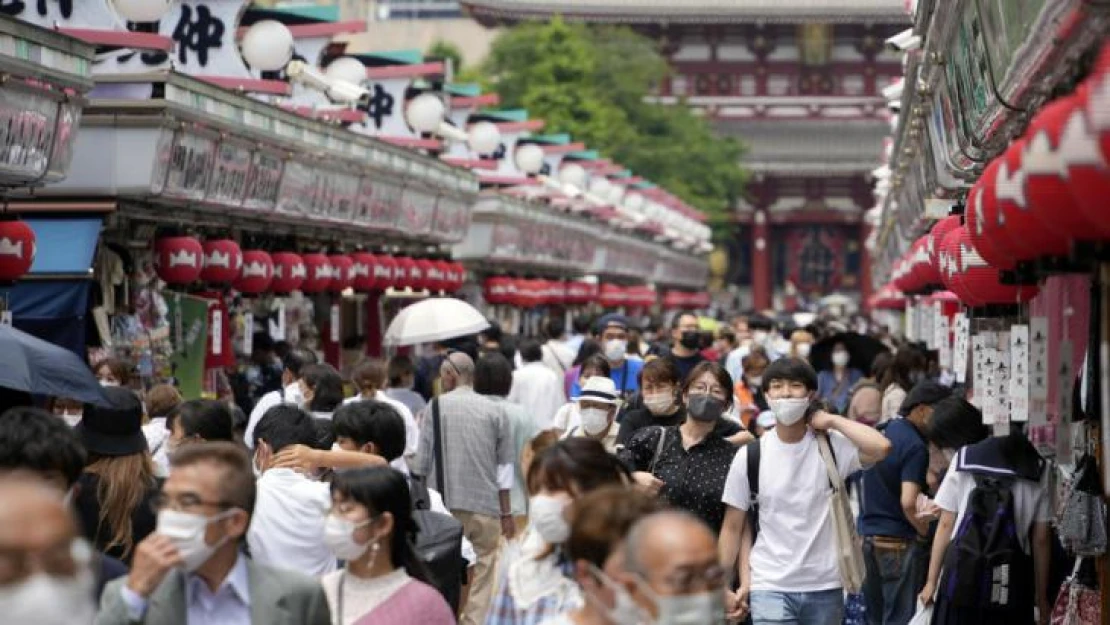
{"points": [[536, 387], [290, 392], [790, 574]]}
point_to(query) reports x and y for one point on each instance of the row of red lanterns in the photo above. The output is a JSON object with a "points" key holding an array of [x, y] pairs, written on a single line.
{"points": [[1049, 189], [685, 300], [615, 296], [522, 293], [184, 260]]}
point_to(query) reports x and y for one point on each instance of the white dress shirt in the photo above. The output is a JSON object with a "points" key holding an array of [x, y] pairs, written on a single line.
{"points": [[558, 357], [539, 391], [287, 528], [291, 395], [229, 605]]}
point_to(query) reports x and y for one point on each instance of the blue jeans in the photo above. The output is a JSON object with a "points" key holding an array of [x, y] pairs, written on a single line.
{"points": [[895, 576], [823, 607]]}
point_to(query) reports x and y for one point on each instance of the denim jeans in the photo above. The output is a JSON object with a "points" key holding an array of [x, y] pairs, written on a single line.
{"points": [[894, 579], [823, 607]]}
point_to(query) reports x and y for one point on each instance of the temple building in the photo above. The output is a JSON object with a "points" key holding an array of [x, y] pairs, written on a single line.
{"points": [[800, 83]]}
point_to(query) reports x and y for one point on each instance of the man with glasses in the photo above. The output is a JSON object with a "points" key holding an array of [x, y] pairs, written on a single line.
{"points": [[190, 571], [674, 576]]}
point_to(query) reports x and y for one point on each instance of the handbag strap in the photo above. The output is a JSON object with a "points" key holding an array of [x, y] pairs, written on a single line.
{"points": [[835, 481], [658, 449], [438, 448]]}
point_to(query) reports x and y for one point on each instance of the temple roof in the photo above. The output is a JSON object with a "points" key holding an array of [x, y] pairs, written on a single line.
{"points": [[803, 147], [692, 11]]}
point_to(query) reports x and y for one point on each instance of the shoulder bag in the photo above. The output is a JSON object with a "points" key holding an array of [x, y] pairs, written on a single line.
{"points": [[849, 552]]}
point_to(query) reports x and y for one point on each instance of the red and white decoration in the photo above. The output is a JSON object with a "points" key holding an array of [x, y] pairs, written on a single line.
{"points": [[289, 272], [223, 261], [178, 260], [257, 274], [17, 250]]}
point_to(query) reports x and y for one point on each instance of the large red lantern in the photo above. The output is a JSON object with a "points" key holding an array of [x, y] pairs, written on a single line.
{"points": [[223, 261], [178, 260], [427, 274], [1091, 181], [289, 272], [257, 274], [318, 273], [384, 272], [496, 290], [456, 276], [435, 274], [983, 222], [1015, 221], [362, 271], [950, 264], [936, 237], [981, 282], [611, 296], [17, 250], [341, 278], [403, 272]]}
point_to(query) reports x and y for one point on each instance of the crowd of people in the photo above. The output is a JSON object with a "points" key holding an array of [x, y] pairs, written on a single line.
{"points": [[613, 474]]}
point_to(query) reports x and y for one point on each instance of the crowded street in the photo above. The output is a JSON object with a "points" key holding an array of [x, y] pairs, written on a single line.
{"points": [[524, 312]]}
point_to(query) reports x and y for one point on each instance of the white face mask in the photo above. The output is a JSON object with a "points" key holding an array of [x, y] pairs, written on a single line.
{"points": [[625, 611], [759, 337], [187, 531], [755, 381], [44, 599], [339, 536], [840, 359], [790, 410], [703, 608], [803, 349], [108, 383], [546, 514], [615, 350], [71, 418], [659, 403], [594, 420]]}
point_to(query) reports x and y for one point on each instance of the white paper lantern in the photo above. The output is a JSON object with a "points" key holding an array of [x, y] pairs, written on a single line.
{"points": [[142, 11], [599, 186], [267, 46], [425, 113], [529, 158], [483, 138], [348, 69], [573, 174]]}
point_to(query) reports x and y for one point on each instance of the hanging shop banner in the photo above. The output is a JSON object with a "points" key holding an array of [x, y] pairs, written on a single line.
{"points": [[230, 176], [264, 181], [960, 345], [1000, 383], [190, 166], [452, 218], [1019, 373], [944, 342], [1038, 371], [189, 334], [980, 353], [1065, 382]]}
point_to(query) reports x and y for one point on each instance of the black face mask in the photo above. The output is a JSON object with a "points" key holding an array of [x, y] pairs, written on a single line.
{"points": [[704, 407], [691, 339]]}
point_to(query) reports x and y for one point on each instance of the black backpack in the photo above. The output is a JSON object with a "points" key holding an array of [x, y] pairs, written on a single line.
{"points": [[985, 567], [438, 544]]}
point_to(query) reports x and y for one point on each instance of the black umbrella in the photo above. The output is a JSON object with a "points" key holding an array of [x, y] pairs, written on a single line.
{"points": [[862, 349], [33, 365]]}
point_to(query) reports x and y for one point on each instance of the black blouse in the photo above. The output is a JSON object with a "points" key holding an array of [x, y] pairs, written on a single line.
{"points": [[694, 479]]}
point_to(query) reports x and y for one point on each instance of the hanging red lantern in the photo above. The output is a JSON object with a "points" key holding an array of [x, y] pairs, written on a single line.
{"points": [[1015, 221], [385, 270], [611, 296], [435, 273], [427, 274], [495, 290], [223, 261], [289, 272], [981, 281], [950, 264], [936, 236], [257, 273], [404, 271], [456, 277], [559, 293], [1089, 170], [982, 219], [17, 250], [318, 273], [178, 260], [341, 278], [362, 271]]}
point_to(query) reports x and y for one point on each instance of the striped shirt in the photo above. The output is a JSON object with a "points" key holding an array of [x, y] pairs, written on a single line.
{"points": [[477, 440]]}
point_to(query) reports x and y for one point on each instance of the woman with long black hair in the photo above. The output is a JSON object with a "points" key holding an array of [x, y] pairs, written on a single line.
{"points": [[371, 528]]}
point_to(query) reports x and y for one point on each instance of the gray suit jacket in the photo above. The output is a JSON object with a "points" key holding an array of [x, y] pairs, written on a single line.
{"points": [[276, 597]]}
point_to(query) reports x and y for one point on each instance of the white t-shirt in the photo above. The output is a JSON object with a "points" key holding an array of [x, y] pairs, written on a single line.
{"points": [[796, 547], [1031, 502], [287, 528], [289, 395], [567, 418], [539, 391]]}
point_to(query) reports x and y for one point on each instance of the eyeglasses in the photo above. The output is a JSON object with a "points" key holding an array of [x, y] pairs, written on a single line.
{"points": [[64, 560], [687, 581], [185, 502]]}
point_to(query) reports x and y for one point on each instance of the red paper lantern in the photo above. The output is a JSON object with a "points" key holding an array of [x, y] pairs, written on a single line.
{"points": [[178, 260], [427, 274], [257, 273], [17, 250], [385, 271], [341, 278], [982, 219], [223, 261], [981, 282], [318, 273], [495, 290], [950, 264], [435, 275], [289, 272], [1089, 171], [935, 237], [405, 272], [362, 271], [1015, 222], [611, 296], [456, 277]]}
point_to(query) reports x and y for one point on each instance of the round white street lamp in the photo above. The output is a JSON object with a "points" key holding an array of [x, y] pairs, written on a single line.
{"points": [[346, 68], [599, 186], [634, 202], [142, 11], [573, 174], [267, 46], [529, 158], [483, 138], [425, 113]]}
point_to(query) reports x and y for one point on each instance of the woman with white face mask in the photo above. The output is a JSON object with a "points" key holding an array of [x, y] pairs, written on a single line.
{"points": [[834, 386], [370, 527], [568, 417], [599, 523], [536, 582], [597, 409]]}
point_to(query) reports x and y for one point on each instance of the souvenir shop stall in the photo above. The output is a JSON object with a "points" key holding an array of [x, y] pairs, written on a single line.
{"points": [[993, 240]]}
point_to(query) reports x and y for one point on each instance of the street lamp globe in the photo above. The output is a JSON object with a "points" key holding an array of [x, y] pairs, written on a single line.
{"points": [[529, 158], [634, 202], [573, 175], [615, 194], [425, 113], [142, 11], [599, 186], [348, 69], [483, 138], [267, 46]]}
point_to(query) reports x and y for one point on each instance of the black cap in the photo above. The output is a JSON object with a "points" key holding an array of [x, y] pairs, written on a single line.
{"points": [[610, 320], [925, 392], [115, 429]]}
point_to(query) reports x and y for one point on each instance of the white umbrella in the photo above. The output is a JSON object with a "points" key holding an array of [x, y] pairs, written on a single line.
{"points": [[435, 319]]}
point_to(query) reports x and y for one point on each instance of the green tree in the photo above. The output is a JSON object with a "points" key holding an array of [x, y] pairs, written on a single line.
{"points": [[447, 51], [591, 82]]}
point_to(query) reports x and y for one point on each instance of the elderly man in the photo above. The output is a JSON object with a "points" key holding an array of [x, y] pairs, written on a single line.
{"points": [[671, 557], [191, 572], [46, 575], [598, 406], [466, 449]]}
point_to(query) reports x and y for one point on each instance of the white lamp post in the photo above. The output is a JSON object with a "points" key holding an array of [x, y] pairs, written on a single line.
{"points": [[267, 46], [483, 138], [529, 158]]}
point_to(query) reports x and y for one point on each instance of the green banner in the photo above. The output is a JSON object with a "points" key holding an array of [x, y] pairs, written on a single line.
{"points": [[189, 334]]}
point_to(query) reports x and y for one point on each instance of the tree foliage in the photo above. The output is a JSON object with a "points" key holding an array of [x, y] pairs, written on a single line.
{"points": [[443, 49], [590, 81]]}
